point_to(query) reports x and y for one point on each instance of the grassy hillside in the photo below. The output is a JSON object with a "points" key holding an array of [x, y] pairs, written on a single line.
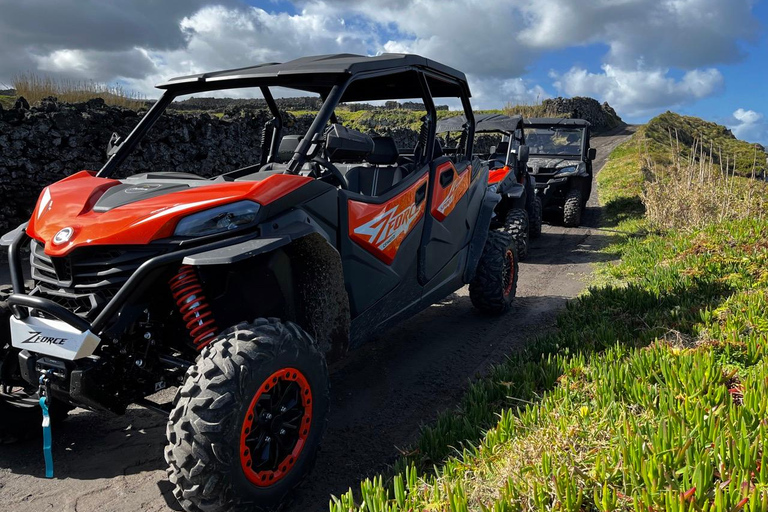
{"points": [[650, 396], [699, 138], [7, 99]]}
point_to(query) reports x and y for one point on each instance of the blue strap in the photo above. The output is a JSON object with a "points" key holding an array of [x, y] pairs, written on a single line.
{"points": [[47, 438]]}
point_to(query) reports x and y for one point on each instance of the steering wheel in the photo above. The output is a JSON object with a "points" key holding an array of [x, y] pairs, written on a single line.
{"points": [[335, 172]]}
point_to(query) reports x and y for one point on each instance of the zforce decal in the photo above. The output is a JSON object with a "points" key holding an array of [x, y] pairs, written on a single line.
{"points": [[381, 228], [37, 337], [446, 198]]}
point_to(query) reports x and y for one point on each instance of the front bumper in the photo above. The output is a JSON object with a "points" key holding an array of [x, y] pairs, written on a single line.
{"points": [[552, 191], [49, 336]]}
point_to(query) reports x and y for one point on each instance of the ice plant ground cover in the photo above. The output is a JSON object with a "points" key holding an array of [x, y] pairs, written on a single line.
{"points": [[651, 395]]}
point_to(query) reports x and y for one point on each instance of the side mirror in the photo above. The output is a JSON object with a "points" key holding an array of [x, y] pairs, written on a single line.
{"points": [[523, 153], [114, 144], [592, 153]]}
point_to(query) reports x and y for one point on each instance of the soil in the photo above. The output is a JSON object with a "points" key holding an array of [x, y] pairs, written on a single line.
{"points": [[382, 393]]}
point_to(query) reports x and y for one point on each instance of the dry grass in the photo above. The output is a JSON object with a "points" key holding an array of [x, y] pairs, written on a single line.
{"points": [[530, 110], [699, 191], [36, 87]]}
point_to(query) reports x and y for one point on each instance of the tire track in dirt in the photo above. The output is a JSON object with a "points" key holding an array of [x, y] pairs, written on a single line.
{"points": [[382, 392]]}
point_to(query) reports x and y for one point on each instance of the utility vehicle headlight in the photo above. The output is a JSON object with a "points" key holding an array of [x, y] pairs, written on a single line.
{"points": [[218, 220], [567, 171]]}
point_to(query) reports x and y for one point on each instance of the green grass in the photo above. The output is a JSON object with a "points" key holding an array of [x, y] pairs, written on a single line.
{"points": [[651, 395], [7, 101], [620, 186]]}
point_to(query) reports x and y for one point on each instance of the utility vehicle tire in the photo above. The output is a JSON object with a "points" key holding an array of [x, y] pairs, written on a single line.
{"points": [[20, 414], [247, 423], [572, 208], [517, 225], [495, 282], [534, 220]]}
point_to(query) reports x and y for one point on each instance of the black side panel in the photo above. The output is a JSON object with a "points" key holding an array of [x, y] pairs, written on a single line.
{"points": [[444, 239], [324, 209], [403, 301]]}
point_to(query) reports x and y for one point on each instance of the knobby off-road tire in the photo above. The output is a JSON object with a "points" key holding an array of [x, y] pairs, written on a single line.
{"points": [[495, 282], [534, 220], [517, 225], [224, 401], [572, 209], [20, 415]]}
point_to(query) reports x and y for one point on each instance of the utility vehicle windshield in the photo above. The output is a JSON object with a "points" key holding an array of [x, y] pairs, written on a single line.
{"points": [[555, 141]]}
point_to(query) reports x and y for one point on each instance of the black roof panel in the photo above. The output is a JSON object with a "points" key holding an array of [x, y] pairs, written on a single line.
{"points": [[330, 65], [484, 123], [555, 121]]}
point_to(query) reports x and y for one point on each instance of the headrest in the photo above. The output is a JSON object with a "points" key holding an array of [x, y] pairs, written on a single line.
{"points": [[502, 148], [347, 145], [384, 151], [288, 146]]}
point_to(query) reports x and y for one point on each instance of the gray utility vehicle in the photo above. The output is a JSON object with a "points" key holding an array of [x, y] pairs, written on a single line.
{"points": [[561, 162], [519, 207]]}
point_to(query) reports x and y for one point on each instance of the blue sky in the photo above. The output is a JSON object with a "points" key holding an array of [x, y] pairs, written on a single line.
{"points": [[698, 57]]}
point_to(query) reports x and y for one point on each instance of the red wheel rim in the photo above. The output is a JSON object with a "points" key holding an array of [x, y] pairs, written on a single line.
{"points": [[509, 272], [276, 427]]}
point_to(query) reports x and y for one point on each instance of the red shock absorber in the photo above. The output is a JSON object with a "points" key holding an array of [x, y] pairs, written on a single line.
{"points": [[194, 308]]}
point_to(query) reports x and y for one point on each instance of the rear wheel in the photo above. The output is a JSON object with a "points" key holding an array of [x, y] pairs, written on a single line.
{"points": [[247, 424], [517, 225], [572, 208], [534, 219], [495, 282]]}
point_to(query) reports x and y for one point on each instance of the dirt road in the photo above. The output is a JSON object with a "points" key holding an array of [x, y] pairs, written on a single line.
{"points": [[382, 393]]}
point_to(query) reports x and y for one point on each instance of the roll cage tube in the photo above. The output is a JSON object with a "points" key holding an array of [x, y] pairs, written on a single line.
{"points": [[277, 123], [313, 135], [138, 133], [429, 104], [470, 116]]}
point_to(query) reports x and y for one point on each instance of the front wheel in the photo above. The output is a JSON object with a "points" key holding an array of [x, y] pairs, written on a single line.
{"points": [[247, 424], [572, 208]]}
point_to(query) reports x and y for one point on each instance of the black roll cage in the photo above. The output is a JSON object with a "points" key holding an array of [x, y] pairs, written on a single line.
{"points": [[314, 134]]}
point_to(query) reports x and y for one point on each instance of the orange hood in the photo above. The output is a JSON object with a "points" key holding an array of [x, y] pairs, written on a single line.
{"points": [[70, 203]]}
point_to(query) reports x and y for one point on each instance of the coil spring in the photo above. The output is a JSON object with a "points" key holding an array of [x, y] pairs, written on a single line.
{"points": [[194, 308]]}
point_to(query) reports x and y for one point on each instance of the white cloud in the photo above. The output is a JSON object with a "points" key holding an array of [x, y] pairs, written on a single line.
{"points": [[492, 93], [637, 92], [219, 37], [662, 33], [747, 116], [496, 43], [750, 126]]}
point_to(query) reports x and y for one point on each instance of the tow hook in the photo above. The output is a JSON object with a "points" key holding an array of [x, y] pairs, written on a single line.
{"points": [[44, 392]]}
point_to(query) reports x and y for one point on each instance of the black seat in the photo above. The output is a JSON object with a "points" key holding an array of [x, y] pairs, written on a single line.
{"points": [[287, 147], [382, 173]]}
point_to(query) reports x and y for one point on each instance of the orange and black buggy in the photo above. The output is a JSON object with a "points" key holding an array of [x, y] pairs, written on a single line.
{"points": [[237, 288], [520, 210]]}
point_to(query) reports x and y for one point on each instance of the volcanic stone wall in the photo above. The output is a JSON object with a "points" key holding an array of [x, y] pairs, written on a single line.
{"points": [[602, 117]]}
